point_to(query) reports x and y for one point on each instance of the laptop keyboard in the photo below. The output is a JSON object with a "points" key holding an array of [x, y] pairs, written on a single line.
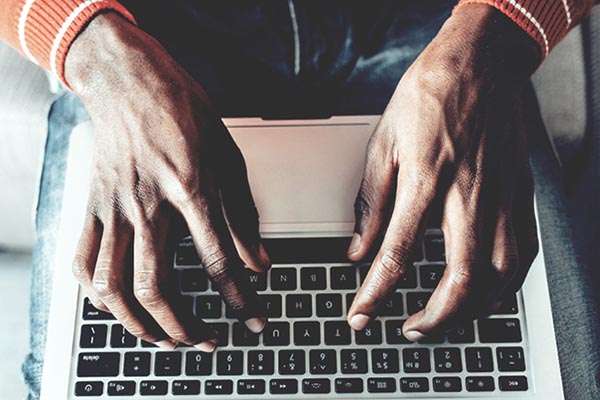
{"points": [[307, 347]]}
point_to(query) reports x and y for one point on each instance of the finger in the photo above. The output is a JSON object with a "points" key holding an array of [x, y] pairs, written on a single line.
{"points": [[85, 258], [155, 287], [238, 202], [467, 256], [217, 253], [374, 199], [112, 284], [525, 230], [395, 256]]}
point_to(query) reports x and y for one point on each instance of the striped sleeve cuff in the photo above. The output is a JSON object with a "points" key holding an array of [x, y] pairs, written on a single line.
{"points": [[45, 29], [546, 21]]}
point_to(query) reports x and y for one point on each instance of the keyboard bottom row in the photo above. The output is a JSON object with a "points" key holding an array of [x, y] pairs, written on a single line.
{"points": [[308, 386]]}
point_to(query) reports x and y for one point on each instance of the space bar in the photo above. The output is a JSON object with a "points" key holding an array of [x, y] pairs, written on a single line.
{"points": [[308, 250]]}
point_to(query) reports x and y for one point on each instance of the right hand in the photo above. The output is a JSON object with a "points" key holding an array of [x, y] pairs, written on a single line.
{"points": [[163, 160]]}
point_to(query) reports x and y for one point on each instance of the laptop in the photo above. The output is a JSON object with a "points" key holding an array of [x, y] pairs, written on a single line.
{"points": [[304, 175]]}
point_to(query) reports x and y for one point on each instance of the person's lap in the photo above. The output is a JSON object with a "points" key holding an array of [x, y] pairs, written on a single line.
{"points": [[340, 68]]}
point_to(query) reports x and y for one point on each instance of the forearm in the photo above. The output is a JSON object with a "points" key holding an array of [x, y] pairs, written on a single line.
{"points": [[43, 30]]}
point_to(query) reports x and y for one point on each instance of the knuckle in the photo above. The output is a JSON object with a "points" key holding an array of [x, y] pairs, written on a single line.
{"points": [[80, 269], [149, 289], [395, 261], [106, 285], [460, 276], [364, 201]]}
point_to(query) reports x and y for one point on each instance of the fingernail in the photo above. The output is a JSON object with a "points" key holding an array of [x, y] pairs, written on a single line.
{"points": [[414, 336], [207, 346], [354, 244], [166, 344], [264, 256], [359, 322], [256, 325]]}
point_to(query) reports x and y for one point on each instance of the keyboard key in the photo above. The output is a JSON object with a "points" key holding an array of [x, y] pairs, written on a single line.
{"points": [[479, 359], [283, 279], [348, 385], [393, 332], [513, 383], [343, 278], [89, 388], [187, 387], [430, 276], [313, 278], [363, 272], [509, 305], [447, 359], [381, 385], [370, 335], [93, 336], [137, 364], [258, 281], [251, 386], [283, 386], [329, 305], [276, 334], [316, 386], [416, 360], [307, 333], [121, 388], [153, 388], [167, 363], [462, 334], [198, 363], [272, 304], [433, 339], [244, 337], [98, 364], [353, 361], [218, 386], [385, 361], [120, 338], [409, 280], [230, 362], [92, 313], [291, 362], [222, 333], [322, 362], [510, 359], [480, 384], [434, 248], [194, 280], [393, 306], [499, 330], [414, 385], [337, 332], [447, 384], [261, 362], [208, 307], [186, 253], [298, 305], [416, 301]]}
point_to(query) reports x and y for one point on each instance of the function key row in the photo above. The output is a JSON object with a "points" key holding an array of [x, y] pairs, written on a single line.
{"points": [[307, 386], [299, 362]]}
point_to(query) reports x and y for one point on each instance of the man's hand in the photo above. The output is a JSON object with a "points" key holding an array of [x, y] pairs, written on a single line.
{"points": [[453, 133], [163, 160]]}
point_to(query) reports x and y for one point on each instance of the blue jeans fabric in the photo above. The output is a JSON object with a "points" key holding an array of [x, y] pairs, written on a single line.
{"points": [[312, 59]]}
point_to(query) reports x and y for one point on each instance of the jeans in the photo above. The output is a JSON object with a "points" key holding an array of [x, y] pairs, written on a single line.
{"points": [[311, 59]]}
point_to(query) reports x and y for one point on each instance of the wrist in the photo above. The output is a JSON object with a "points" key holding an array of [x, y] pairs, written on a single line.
{"points": [[482, 34], [96, 49]]}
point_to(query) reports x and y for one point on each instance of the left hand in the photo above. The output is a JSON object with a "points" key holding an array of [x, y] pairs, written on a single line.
{"points": [[454, 130]]}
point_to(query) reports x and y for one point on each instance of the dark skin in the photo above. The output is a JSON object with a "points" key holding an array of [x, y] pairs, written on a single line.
{"points": [[455, 130]]}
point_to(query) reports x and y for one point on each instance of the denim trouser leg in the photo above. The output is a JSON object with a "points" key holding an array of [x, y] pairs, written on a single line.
{"points": [[66, 113]]}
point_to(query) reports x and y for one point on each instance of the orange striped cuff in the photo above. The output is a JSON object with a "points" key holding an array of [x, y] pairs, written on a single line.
{"points": [[45, 29], [546, 21]]}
